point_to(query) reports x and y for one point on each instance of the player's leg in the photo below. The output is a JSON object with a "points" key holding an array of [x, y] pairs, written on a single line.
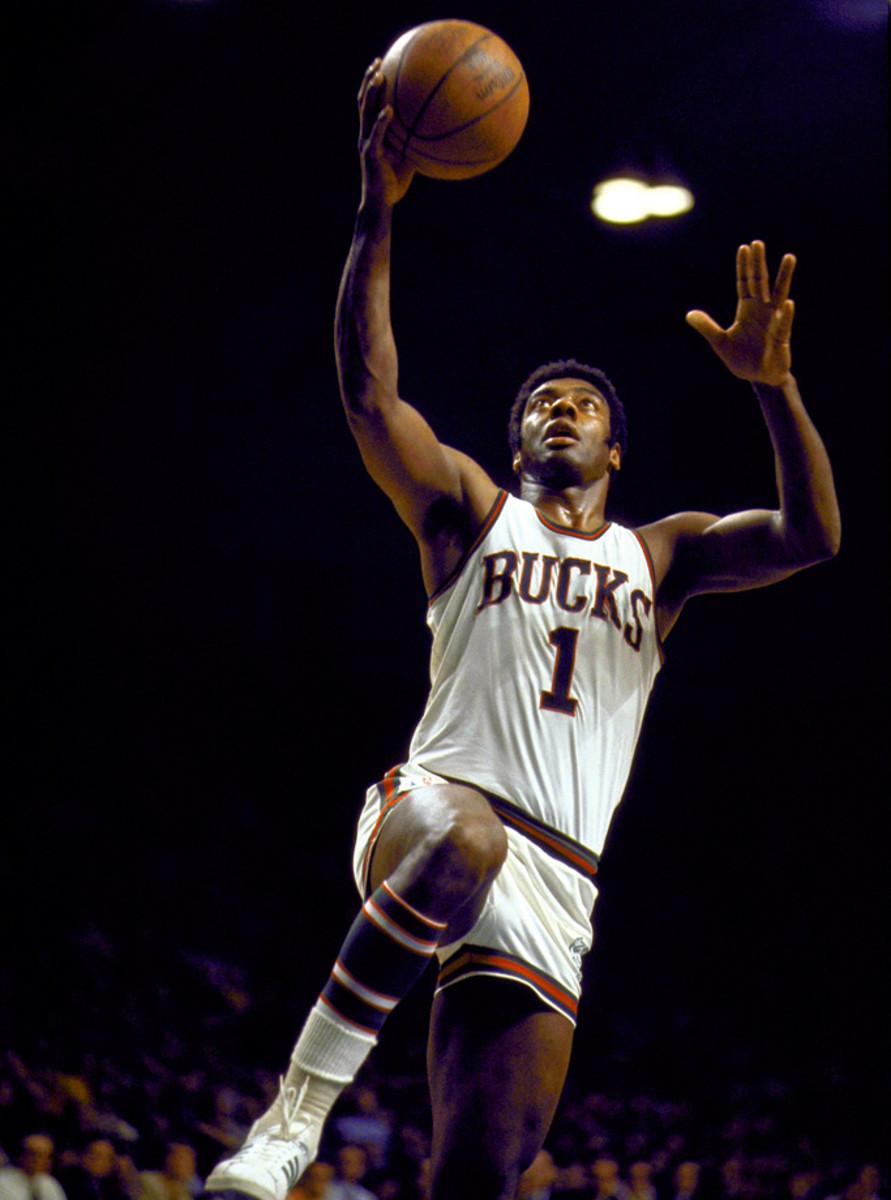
{"points": [[434, 861], [497, 1061], [435, 858]]}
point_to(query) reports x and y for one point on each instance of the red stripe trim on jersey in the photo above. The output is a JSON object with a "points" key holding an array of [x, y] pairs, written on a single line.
{"points": [[385, 810], [577, 533], [649, 558], [474, 960], [389, 781], [491, 518]]}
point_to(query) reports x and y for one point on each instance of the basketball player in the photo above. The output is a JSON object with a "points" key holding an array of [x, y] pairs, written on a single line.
{"points": [[547, 625]]}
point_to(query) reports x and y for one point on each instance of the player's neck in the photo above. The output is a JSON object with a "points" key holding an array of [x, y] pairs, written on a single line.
{"points": [[581, 507]]}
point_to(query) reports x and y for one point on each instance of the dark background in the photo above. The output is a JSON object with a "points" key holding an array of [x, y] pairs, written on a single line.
{"points": [[219, 636]]}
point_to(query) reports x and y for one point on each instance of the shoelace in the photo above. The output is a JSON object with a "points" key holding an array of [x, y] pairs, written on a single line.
{"points": [[291, 1100]]}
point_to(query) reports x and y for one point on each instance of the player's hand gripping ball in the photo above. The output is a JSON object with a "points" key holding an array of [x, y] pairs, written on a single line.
{"points": [[460, 99]]}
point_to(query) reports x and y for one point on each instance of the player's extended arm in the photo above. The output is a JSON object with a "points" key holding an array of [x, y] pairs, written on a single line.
{"points": [[427, 482], [702, 553]]}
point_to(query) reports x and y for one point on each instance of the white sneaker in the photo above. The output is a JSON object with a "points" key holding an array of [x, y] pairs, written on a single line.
{"points": [[271, 1162]]}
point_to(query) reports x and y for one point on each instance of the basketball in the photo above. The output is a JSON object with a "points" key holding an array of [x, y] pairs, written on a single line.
{"points": [[460, 99]]}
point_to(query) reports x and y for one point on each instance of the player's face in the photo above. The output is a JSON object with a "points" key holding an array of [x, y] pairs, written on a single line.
{"points": [[566, 433]]}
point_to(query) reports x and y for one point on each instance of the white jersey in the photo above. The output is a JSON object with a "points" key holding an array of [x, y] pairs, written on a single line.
{"points": [[544, 654]]}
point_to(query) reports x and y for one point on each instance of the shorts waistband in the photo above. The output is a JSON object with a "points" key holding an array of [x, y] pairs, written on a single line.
{"points": [[565, 849]]}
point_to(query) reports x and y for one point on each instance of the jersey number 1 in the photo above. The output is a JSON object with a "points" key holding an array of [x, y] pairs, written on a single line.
{"points": [[558, 699]]}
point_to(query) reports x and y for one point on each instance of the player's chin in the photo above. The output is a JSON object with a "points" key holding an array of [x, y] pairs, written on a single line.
{"points": [[557, 470]]}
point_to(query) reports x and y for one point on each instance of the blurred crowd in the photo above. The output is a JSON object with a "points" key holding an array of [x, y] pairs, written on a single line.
{"points": [[371, 1153], [130, 1087]]}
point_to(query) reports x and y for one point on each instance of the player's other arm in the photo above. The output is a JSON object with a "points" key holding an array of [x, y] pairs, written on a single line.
{"points": [[438, 492], [699, 552]]}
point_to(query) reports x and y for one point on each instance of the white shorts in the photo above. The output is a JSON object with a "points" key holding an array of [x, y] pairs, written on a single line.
{"points": [[535, 927]]}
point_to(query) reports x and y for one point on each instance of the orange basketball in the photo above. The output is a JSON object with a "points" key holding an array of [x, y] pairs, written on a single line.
{"points": [[460, 99]]}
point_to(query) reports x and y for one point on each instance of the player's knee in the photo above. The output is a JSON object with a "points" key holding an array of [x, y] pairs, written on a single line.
{"points": [[470, 847], [481, 842]]}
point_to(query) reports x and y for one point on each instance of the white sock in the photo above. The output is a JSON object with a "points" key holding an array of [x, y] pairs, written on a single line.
{"points": [[330, 1048], [326, 1059]]}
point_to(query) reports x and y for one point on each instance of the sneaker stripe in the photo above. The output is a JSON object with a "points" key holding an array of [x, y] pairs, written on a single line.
{"points": [[292, 1172], [266, 1168]]}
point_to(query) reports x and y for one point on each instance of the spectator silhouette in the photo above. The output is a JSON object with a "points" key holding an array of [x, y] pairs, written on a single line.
{"points": [[687, 1181], [97, 1174], [315, 1184], [869, 1182], [608, 1183], [176, 1181], [352, 1166], [640, 1180], [31, 1179], [537, 1181]]}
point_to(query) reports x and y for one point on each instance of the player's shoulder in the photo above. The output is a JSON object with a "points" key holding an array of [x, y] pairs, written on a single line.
{"points": [[478, 490], [677, 525], [664, 536]]}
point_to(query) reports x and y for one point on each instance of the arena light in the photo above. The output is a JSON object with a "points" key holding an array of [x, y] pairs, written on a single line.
{"points": [[620, 201], [626, 201], [669, 200]]}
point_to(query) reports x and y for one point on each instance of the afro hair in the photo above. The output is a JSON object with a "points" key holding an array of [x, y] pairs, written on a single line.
{"points": [[568, 368]]}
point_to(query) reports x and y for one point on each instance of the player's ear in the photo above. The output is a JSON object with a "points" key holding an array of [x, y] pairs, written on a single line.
{"points": [[516, 462], [615, 457]]}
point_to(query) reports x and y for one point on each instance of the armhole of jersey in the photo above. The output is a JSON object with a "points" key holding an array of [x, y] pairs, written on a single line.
{"points": [[649, 558], [491, 517]]}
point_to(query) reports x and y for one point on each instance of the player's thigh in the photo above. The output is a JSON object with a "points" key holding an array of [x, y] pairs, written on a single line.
{"points": [[497, 1061]]}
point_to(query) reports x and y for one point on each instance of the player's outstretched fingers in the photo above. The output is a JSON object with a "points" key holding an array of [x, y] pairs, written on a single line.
{"points": [[784, 279], [743, 290], [378, 133], [369, 101], [759, 280], [367, 79]]}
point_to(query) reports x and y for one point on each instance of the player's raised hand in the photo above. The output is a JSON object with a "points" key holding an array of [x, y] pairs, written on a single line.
{"points": [[383, 180], [756, 346]]}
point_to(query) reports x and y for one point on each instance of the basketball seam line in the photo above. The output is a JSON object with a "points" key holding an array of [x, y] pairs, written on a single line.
{"points": [[451, 162], [438, 137], [420, 113]]}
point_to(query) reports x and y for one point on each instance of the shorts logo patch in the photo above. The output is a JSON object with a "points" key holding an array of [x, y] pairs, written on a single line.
{"points": [[578, 949]]}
